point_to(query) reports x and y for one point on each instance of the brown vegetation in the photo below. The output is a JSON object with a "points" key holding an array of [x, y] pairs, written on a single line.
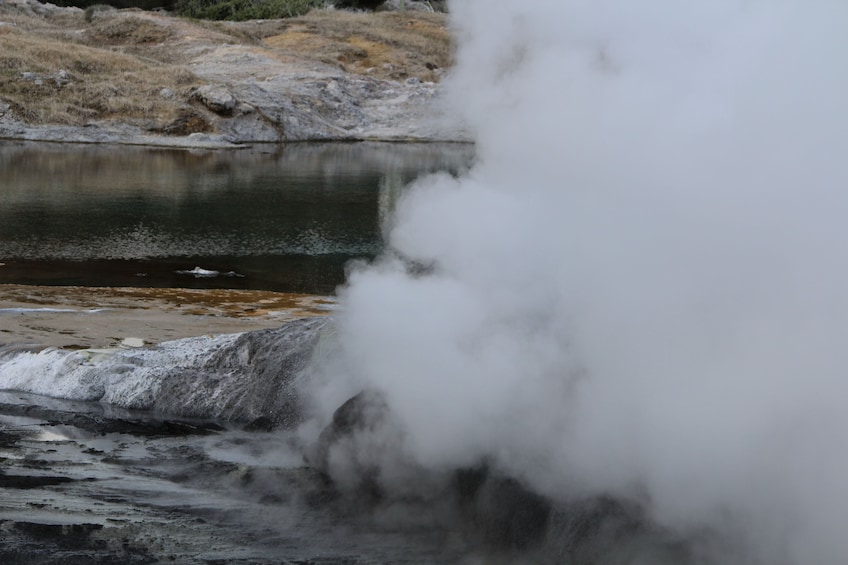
{"points": [[386, 45], [65, 68], [152, 315], [48, 81], [48, 74]]}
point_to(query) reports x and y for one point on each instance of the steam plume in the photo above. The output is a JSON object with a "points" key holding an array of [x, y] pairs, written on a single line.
{"points": [[641, 288]]}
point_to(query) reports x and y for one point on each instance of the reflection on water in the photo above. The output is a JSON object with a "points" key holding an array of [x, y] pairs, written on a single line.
{"points": [[280, 218]]}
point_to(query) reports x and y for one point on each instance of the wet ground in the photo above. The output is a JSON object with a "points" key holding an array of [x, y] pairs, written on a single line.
{"points": [[81, 483], [84, 317], [89, 483], [85, 482]]}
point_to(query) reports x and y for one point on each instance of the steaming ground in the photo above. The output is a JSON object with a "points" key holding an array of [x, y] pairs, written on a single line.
{"points": [[639, 291]]}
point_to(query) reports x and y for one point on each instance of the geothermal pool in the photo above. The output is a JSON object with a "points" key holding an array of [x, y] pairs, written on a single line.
{"points": [[284, 219], [107, 252], [618, 339]]}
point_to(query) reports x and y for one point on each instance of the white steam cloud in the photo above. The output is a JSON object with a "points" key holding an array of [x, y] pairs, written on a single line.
{"points": [[641, 288]]}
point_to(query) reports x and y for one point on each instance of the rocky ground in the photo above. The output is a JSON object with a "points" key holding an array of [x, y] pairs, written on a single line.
{"points": [[83, 484], [87, 483], [128, 76]]}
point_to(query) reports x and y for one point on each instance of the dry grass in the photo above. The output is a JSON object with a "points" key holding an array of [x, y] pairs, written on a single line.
{"points": [[129, 30], [155, 37], [98, 84], [118, 62], [385, 44]]}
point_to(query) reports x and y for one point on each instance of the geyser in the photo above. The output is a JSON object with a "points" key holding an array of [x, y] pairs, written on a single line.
{"points": [[640, 290]]}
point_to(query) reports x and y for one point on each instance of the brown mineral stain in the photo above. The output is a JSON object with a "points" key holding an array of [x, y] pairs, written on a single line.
{"points": [[104, 317]]}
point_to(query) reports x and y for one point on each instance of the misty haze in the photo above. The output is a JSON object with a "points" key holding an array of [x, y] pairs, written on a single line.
{"points": [[615, 335], [639, 291]]}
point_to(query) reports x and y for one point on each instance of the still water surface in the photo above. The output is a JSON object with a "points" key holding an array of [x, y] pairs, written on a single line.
{"points": [[275, 218]]}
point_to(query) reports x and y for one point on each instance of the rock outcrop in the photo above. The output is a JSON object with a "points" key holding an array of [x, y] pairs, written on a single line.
{"points": [[199, 85], [236, 377], [498, 512]]}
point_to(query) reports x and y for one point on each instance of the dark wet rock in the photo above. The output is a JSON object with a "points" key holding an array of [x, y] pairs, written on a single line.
{"points": [[70, 535], [260, 424], [232, 498], [196, 500], [31, 543], [252, 376], [510, 515], [364, 413], [500, 513], [8, 440], [507, 514], [606, 529], [99, 424], [503, 512], [30, 482]]}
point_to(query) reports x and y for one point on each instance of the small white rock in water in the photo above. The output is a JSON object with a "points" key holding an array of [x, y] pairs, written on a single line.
{"points": [[132, 342]]}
